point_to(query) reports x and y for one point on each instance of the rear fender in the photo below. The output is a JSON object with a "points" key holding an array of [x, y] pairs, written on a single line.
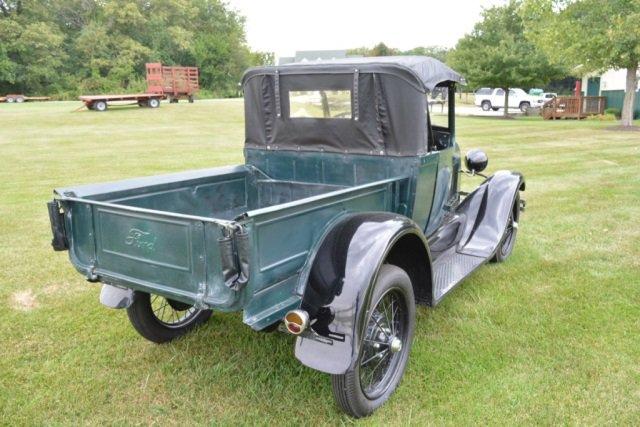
{"points": [[486, 212], [339, 287]]}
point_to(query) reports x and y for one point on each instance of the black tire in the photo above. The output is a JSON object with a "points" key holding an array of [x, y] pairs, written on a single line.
{"points": [[153, 103], [143, 318], [354, 393], [485, 105], [190, 98], [508, 240], [143, 104], [524, 106], [495, 108], [100, 106]]}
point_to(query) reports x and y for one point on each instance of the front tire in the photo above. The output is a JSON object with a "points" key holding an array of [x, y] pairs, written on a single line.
{"points": [[524, 106], [154, 103], [385, 348], [508, 241], [161, 320]]}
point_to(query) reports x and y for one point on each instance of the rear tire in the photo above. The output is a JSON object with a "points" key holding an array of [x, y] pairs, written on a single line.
{"points": [[154, 103], [386, 345], [10, 99], [145, 316], [524, 106], [486, 105], [495, 108], [20, 100]]}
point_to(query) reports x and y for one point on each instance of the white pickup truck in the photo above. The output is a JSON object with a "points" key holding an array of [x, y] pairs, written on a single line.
{"points": [[493, 99]]}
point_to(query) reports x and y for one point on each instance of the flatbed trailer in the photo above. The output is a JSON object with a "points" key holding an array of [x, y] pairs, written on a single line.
{"points": [[20, 98], [163, 82], [100, 102]]}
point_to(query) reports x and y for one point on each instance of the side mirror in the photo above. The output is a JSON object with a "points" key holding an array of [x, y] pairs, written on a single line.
{"points": [[476, 161]]}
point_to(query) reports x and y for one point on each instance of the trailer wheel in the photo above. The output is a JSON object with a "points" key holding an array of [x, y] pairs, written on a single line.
{"points": [[20, 99], [143, 104], [154, 103], [10, 99], [385, 347], [100, 106], [161, 320]]}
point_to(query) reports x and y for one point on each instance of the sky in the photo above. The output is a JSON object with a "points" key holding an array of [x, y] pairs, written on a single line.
{"points": [[284, 26]]}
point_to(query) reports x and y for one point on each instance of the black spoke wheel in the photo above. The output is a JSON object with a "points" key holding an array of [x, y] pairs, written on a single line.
{"points": [[385, 346], [506, 245], [161, 319]]}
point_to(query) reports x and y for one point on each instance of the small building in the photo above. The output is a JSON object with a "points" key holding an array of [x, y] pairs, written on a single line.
{"points": [[611, 85], [314, 55]]}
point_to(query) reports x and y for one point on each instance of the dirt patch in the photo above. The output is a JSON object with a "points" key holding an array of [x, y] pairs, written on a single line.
{"points": [[24, 300]]}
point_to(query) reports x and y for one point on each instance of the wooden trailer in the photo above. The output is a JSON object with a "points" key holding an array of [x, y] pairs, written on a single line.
{"points": [[163, 82], [173, 82], [573, 107]]}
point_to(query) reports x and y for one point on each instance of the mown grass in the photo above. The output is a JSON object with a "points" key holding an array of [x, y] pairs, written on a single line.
{"points": [[550, 337]]}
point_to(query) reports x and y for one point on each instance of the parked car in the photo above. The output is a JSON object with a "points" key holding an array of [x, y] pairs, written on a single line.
{"points": [[346, 213], [493, 99], [547, 96]]}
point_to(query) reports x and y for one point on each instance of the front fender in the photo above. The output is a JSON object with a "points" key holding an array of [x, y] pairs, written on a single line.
{"points": [[487, 211], [340, 284]]}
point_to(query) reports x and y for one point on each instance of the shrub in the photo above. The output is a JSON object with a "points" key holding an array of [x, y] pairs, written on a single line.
{"points": [[615, 111]]}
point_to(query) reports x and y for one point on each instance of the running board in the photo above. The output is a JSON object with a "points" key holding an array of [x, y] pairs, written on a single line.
{"points": [[450, 269]]}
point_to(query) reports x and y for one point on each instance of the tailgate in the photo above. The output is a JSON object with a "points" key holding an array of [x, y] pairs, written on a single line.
{"points": [[159, 252]]}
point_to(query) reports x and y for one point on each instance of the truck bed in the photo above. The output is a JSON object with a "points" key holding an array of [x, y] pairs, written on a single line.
{"points": [[163, 234]]}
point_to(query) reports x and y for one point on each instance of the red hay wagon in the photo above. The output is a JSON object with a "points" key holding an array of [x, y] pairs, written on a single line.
{"points": [[163, 82]]}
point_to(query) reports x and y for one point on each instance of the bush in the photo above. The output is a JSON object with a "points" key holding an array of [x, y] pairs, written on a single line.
{"points": [[602, 117], [615, 111]]}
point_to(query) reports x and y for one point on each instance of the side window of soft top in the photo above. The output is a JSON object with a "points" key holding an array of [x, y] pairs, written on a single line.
{"points": [[438, 106]]}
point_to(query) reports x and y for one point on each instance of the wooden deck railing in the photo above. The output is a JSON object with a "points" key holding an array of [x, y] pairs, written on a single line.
{"points": [[573, 107]]}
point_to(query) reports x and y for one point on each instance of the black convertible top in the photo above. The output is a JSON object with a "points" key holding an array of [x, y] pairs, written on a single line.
{"points": [[386, 112], [428, 72]]}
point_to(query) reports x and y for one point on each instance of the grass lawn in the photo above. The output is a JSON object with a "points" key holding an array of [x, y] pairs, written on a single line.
{"points": [[552, 336]]}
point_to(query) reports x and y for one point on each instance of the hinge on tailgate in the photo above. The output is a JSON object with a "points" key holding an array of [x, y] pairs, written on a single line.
{"points": [[234, 256]]}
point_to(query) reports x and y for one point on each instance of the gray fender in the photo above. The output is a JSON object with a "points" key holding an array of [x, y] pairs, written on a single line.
{"points": [[486, 211], [340, 282], [116, 297]]}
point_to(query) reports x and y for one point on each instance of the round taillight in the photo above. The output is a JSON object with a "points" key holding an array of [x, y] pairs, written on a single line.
{"points": [[296, 321]]}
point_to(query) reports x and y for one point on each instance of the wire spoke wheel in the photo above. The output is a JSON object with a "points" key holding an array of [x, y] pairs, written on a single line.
{"points": [[506, 245], [160, 319], [383, 344], [172, 314]]}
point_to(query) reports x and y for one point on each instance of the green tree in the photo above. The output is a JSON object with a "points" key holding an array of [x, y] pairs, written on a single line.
{"points": [[89, 46], [497, 54], [437, 52], [595, 35]]}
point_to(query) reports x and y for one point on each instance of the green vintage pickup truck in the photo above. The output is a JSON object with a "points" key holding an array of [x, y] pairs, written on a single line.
{"points": [[346, 213]]}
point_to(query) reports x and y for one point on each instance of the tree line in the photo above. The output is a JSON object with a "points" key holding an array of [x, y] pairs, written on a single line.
{"points": [[69, 47]]}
